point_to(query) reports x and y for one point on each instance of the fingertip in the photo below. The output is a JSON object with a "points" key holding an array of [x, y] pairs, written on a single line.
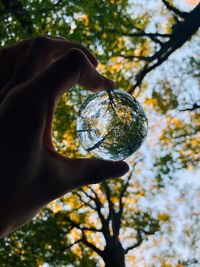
{"points": [[108, 84], [104, 84], [111, 85], [112, 169], [119, 169], [104, 169]]}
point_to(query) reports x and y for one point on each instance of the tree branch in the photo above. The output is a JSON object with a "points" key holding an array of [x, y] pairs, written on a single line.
{"points": [[137, 244], [104, 222], [136, 57], [175, 10], [148, 232], [71, 245], [194, 107], [126, 184], [98, 205], [142, 33], [108, 197], [85, 193], [124, 188], [92, 246], [94, 193], [88, 244], [122, 193], [140, 76], [181, 33], [84, 238], [150, 34], [113, 216], [78, 226], [83, 201]]}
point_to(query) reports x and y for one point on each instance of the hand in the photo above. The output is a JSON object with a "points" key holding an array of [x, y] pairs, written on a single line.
{"points": [[34, 74]]}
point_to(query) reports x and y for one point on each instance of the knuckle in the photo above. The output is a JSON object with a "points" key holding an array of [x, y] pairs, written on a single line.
{"points": [[80, 46], [75, 58], [76, 55], [40, 41]]}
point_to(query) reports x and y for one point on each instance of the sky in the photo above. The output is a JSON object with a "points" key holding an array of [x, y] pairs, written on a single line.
{"points": [[181, 197]]}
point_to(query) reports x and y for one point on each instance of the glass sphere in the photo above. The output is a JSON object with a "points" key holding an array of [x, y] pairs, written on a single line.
{"points": [[111, 125]]}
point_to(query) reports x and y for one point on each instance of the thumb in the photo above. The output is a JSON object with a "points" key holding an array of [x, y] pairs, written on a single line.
{"points": [[65, 175], [97, 170]]}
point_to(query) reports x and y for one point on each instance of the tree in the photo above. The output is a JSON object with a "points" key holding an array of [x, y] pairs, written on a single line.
{"points": [[124, 45], [41, 241], [181, 31], [107, 203]]}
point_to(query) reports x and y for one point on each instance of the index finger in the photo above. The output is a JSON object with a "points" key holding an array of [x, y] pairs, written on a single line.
{"points": [[41, 52], [60, 45]]}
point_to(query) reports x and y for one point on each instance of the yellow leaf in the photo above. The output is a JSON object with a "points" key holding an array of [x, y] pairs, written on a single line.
{"points": [[74, 217], [177, 122], [164, 264], [56, 207], [163, 217], [150, 101], [104, 35]]}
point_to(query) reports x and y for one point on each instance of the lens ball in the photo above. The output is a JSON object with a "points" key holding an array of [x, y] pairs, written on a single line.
{"points": [[111, 125]]}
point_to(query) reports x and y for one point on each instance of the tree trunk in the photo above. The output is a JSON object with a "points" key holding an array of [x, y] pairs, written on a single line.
{"points": [[114, 257]]}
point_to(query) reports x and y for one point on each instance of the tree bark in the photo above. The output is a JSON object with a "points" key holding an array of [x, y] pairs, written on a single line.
{"points": [[114, 256]]}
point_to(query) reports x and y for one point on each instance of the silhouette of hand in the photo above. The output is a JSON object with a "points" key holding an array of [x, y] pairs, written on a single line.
{"points": [[34, 74]]}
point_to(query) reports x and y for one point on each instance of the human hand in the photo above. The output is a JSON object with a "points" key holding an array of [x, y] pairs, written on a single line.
{"points": [[34, 74]]}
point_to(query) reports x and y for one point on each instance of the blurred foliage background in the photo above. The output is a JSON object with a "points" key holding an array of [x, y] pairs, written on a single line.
{"points": [[150, 217]]}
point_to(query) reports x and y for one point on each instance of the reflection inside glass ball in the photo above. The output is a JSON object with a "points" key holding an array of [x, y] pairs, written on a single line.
{"points": [[111, 125]]}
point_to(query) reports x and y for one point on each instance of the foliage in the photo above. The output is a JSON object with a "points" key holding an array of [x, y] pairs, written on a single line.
{"points": [[42, 240], [120, 36]]}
